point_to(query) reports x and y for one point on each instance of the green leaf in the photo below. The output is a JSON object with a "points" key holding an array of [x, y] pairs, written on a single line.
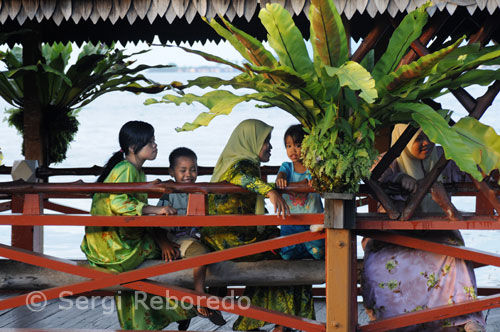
{"points": [[254, 52], [469, 143], [328, 35], [203, 119], [285, 38], [328, 121], [353, 75], [408, 30], [219, 102], [227, 35], [485, 140], [416, 70], [212, 58]]}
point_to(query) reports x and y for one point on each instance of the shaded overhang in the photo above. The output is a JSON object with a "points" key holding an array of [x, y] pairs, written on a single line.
{"points": [[180, 20]]}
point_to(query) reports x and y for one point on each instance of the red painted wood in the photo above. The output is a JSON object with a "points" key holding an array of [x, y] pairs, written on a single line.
{"points": [[32, 204], [106, 280], [483, 206], [21, 236], [146, 221], [433, 314], [196, 205], [62, 208], [438, 248], [103, 279], [136, 187], [191, 296], [378, 222], [5, 206]]}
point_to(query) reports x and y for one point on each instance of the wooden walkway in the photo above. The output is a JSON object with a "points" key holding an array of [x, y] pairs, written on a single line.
{"points": [[68, 314], [74, 313]]}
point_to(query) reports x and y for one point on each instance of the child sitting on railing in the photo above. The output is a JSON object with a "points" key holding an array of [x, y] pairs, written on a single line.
{"points": [[122, 249], [184, 242], [295, 171]]}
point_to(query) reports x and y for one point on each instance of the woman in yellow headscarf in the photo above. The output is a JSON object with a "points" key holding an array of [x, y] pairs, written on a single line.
{"points": [[396, 279], [239, 164]]}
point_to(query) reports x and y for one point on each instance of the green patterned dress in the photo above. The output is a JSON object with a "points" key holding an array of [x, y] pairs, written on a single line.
{"points": [[294, 300], [120, 249]]}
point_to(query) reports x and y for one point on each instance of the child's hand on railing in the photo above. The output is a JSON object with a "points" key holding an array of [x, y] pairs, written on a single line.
{"points": [[281, 182], [168, 210], [280, 206]]}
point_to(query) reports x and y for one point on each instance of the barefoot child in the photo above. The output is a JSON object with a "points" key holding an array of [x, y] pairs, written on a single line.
{"points": [[295, 171], [184, 241]]}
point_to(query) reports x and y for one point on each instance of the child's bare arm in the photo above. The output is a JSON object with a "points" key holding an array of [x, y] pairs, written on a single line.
{"points": [[281, 180]]}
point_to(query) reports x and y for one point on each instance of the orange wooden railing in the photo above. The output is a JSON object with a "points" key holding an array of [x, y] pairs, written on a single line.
{"points": [[340, 262]]}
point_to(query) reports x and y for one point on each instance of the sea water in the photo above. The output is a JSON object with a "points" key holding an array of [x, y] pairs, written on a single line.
{"points": [[97, 139]]}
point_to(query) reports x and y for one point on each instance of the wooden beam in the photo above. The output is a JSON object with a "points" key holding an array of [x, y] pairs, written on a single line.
{"points": [[436, 23], [393, 153], [384, 199], [427, 222], [340, 264], [34, 140], [339, 282], [79, 187], [197, 205], [22, 276], [371, 39], [486, 198], [483, 35], [440, 196], [437, 313], [461, 252]]}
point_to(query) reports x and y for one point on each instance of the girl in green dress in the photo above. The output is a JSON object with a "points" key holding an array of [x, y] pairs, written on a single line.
{"points": [[120, 249], [239, 164]]}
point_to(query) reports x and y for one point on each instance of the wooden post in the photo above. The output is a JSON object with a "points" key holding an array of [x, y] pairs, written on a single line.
{"points": [[341, 304], [196, 205], [34, 140], [27, 237]]}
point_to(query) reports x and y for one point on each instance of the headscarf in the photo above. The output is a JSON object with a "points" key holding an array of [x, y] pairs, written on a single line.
{"points": [[245, 143], [414, 167]]}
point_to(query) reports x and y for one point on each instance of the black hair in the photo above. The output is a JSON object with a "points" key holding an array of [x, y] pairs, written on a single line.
{"points": [[135, 134], [296, 132], [180, 152]]}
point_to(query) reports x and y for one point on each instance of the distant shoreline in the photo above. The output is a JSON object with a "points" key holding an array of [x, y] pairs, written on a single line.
{"points": [[194, 69]]}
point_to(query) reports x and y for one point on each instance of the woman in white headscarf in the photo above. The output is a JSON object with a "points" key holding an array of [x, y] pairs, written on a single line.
{"points": [[239, 164], [396, 279]]}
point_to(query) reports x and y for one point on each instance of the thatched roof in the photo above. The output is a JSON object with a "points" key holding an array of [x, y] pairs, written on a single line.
{"points": [[179, 20], [58, 11]]}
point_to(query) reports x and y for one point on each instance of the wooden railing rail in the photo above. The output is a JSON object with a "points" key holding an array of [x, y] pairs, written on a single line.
{"points": [[33, 207], [340, 243], [95, 170]]}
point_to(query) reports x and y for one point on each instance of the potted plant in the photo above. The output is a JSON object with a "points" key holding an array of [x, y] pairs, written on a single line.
{"points": [[342, 103], [64, 89]]}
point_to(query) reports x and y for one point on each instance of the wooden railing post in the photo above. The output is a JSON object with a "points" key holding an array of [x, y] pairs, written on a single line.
{"points": [[341, 304], [197, 205], [28, 237]]}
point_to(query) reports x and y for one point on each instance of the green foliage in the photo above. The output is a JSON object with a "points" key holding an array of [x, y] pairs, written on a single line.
{"points": [[63, 89], [341, 103]]}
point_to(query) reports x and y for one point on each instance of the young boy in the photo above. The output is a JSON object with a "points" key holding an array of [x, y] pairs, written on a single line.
{"points": [[184, 241]]}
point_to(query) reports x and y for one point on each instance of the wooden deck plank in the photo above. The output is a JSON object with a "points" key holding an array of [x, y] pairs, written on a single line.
{"points": [[21, 319], [70, 317]]}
